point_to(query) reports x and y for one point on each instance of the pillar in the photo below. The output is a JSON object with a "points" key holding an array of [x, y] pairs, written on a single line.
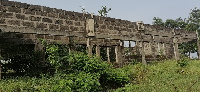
{"points": [[0, 63], [90, 50], [176, 51], [108, 53], [198, 45], [40, 48], [143, 54], [118, 53], [71, 48], [137, 48], [89, 47], [98, 51], [129, 51]]}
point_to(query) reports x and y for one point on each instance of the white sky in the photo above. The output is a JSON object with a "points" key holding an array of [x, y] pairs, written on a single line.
{"points": [[132, 10]]}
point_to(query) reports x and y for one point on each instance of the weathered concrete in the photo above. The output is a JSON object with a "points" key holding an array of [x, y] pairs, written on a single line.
{"points": [[108, 53], [28, 22], [40, 49], [98, 51], [118, 53], [0, 62], [198, 45]]}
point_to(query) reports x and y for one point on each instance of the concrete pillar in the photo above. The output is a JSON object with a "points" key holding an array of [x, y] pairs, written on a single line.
{"points": [[90, 50], [198, 45], [143, 54], [89, 47], [163, 50], [98, 51], [176, 51], [0, 63], [118, 53], [71, 48], [137, 46], [40, 48], [129, 50], [153, 44], [108, 53]]}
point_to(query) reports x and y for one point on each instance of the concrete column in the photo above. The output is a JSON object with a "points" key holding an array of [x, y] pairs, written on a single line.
{"points": [[71, 48], [118, 53], [90, 50], [40, 48], [129, 50], [198, 45], [143, 54], [164, 53], [137, 46], [108, 53], [176, 51], [89, 46], [0, 63], [98, 51], [153, 44]]}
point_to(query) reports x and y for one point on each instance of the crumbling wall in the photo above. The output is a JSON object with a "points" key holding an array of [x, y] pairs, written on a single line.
{"points": [[79, 28]]}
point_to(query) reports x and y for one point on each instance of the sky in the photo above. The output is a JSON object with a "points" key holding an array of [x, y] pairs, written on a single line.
{"points": [[132, 10]]}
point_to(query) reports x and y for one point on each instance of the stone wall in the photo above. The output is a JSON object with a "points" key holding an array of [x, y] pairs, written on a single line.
{"points": [[91, 30]]}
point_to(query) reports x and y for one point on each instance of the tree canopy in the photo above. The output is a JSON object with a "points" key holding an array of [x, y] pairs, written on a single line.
{"points": [[192, 23]]}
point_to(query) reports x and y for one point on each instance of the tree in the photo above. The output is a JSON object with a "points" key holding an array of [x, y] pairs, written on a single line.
{"points": [[158, 21], [83, 9], [104, 11], [178, 23], [192, 23]]}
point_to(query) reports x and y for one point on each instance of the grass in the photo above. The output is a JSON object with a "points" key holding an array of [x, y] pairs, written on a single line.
{"points": [[165, 76]]}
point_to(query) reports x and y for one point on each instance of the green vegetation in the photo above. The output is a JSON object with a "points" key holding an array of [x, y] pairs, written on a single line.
{"points": [[78, 72], [168, 76], [104, 11], [75, 71], [192, 23]]}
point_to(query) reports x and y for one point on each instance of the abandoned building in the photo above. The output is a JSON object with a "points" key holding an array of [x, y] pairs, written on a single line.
{"points": [[22, 23]]}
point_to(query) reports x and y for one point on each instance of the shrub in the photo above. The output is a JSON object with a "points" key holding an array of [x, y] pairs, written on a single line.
{"points": [[22, 60], [114, 78], [81, 62], [85, 82], [183, 62]]}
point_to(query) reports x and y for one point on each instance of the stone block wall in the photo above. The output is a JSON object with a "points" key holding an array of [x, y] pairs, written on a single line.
{"points": [[61, 25]]}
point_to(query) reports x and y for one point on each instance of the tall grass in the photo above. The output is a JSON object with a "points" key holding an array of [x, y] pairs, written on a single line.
{"points": [[166, 76]]}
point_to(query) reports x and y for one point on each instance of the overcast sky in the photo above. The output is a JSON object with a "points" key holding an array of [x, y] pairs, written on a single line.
{"points": [[132, 10]]}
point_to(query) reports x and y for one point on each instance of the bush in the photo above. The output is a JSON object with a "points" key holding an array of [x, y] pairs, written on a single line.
{"points": [[114, 78], [22, 60], [78, 61], [85, 82], [183, 62]]}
